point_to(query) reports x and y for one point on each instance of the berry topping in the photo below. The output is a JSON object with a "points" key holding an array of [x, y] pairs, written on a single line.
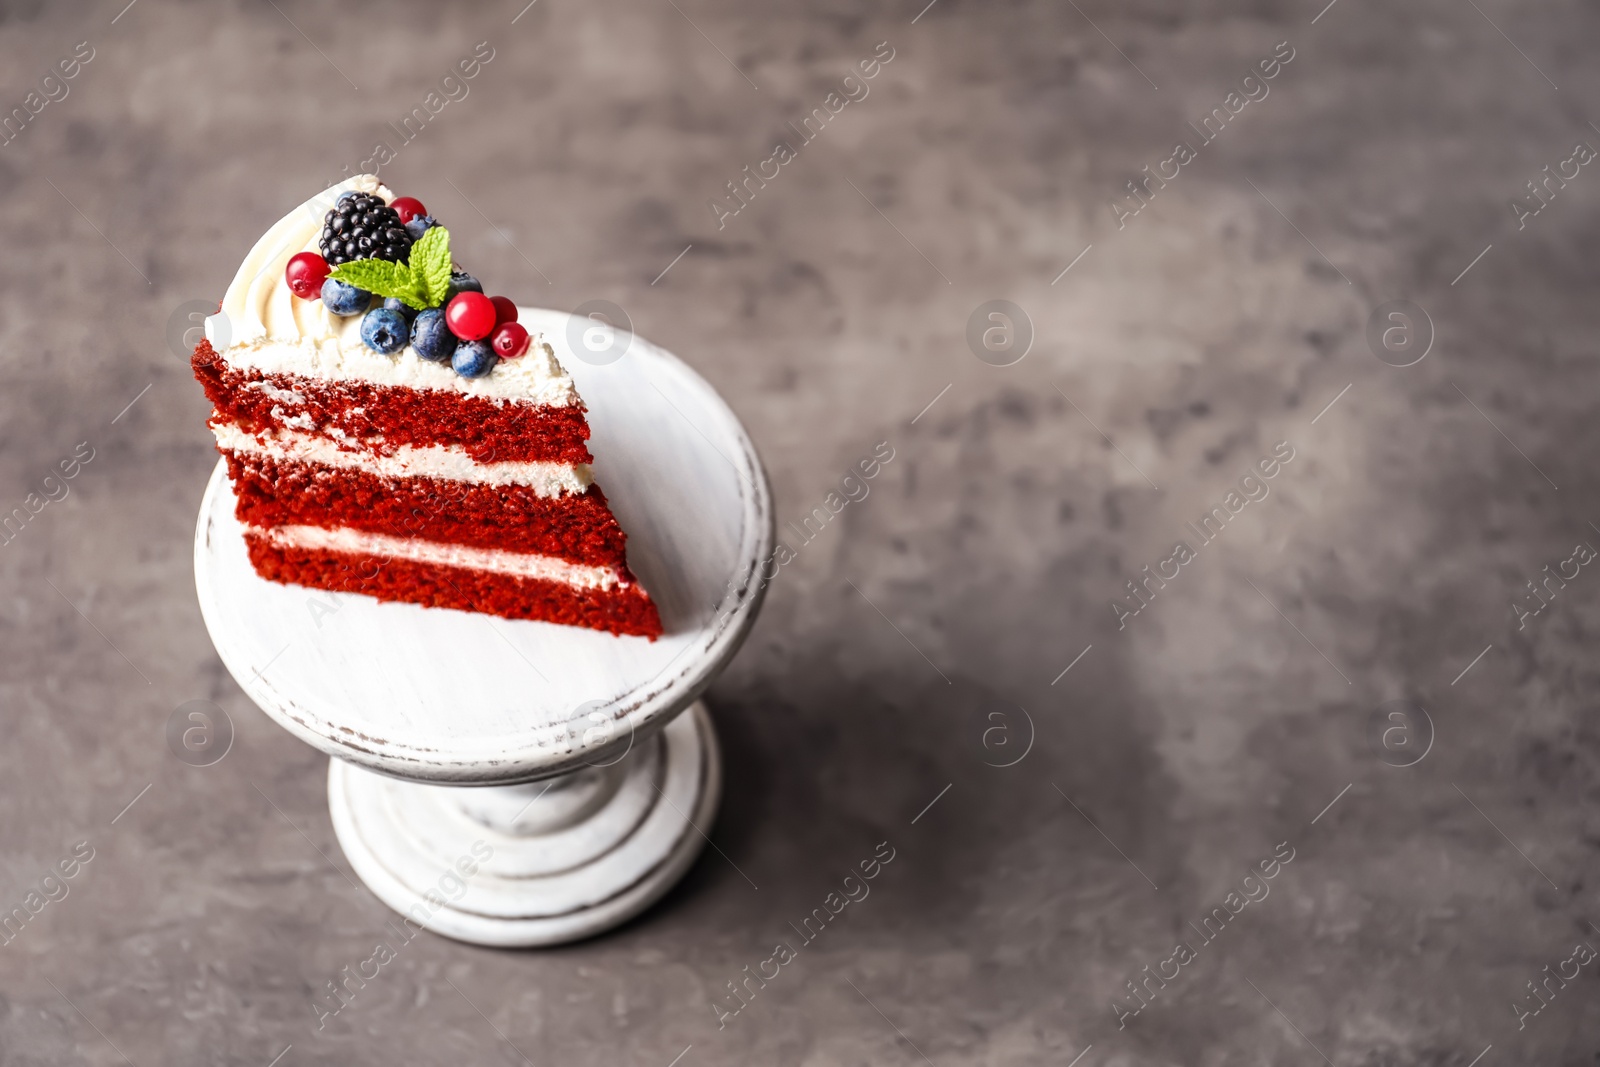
{"points": [[384, 331], [342, 299], [470, 315], [474, 359], [431, 337], [462, 282], [509, 340], [504, 310], [420, 225], [408, 208], [364, 227], [305, 274], [394, 303]]}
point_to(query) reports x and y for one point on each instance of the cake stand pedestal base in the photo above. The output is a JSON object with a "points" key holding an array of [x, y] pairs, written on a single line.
{"points": [[535, 864]]}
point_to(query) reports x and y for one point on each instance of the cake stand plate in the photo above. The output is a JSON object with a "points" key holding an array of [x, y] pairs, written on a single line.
{"points": [[511, 782]]}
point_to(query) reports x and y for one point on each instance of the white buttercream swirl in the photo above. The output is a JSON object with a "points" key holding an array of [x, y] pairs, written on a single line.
{"points": [[264, 326]]}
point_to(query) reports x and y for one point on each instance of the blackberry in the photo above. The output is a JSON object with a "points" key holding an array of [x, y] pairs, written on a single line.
{"points": [[362, 226]]}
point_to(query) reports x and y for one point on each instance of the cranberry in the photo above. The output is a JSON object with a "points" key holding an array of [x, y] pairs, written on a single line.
{"points": [[305, 274], [510, 340], [504, 310], [408, 208], [470, 316]]}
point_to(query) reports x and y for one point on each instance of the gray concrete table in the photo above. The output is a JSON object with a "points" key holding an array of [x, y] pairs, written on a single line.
{"points": [[1319, 786]]}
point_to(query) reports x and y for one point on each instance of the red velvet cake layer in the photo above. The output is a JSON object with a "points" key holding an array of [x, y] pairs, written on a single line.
{"points": [[489, 430], [575, 527], [623, 610]]}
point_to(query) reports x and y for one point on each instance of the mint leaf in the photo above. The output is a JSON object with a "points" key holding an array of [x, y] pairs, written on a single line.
{"points": [[422, 283], [430, 264], [384, 278]]}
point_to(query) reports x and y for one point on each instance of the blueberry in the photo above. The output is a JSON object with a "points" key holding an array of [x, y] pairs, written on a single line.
{"points": [[431, 337], [461, 282], [474, 359], [406, 311], [420, 225], [346, 195], [342, 299], [384, 331]]}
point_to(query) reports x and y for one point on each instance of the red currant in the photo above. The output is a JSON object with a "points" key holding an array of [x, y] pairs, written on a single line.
{"points": [[305, 274], [470, 316], [408, 208], [510, 340], [504, 310]]}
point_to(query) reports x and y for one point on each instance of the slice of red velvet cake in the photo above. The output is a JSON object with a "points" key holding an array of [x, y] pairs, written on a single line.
{"points": [[389, 430]]}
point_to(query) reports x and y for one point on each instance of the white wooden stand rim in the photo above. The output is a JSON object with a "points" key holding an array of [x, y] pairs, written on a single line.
{"points": [[414, 704]]}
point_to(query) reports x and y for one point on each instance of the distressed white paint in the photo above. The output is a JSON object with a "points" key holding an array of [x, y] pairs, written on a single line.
{"points": [[414, 845]]}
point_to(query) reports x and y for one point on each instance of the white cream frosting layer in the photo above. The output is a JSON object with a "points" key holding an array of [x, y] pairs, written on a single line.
{"points": [[444, 462], [263, 326], [515, 564]]}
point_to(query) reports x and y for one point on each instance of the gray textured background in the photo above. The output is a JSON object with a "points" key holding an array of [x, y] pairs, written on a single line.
{"points": [[1174, 755]]}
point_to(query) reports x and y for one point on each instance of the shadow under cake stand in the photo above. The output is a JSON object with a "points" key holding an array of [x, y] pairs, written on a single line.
{"points": [[519, 783]]}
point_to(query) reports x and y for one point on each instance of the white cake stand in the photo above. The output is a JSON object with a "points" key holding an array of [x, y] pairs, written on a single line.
{"points": [[593, 795]]}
